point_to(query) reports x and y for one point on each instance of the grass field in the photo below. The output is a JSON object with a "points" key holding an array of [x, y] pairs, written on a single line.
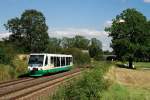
{"points": [[128, 84], [121, 92], [137, 65], [142, 64]]}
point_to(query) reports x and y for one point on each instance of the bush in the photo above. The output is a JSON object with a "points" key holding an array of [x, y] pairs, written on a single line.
{"points": [[89, 87], [13, 70], [10, 65], [99, 57], [7, 53], [78, 56], [20, 66]]}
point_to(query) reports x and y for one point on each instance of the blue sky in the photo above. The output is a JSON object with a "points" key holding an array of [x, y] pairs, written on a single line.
{"points": [[73, 16]]}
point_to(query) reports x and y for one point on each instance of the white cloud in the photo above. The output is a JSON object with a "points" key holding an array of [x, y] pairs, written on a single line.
{"points": [[71, 32], [108, 23], [147, 1], [4, 35], [88, 33]]}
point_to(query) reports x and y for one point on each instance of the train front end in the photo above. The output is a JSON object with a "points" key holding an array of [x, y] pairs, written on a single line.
{"points": [[35, 64]]}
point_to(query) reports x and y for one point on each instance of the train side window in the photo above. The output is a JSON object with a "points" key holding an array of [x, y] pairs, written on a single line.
{"points": [[70, 60], [58, 61], [55, 61], [52, 60], [46, 61], [67, 60], [62, 61]]}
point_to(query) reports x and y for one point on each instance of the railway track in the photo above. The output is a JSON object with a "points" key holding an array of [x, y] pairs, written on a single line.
{"points": [[8, 83], [29, 88]]}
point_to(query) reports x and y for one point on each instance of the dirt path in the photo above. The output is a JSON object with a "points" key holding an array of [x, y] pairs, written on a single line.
{"points": [[140, 78]]}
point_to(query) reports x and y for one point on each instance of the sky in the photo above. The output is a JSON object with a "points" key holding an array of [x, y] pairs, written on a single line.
{"points": [[67, 18]]}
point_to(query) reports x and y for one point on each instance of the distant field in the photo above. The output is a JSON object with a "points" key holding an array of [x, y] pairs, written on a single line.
{"points": [[142, 64], [136, 64]]}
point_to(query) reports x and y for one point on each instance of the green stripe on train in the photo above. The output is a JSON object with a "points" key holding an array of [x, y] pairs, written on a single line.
{"points": [[43, 72]]}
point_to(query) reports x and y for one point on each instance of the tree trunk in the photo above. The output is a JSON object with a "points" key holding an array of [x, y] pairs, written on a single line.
{"points": [[131, 62]]}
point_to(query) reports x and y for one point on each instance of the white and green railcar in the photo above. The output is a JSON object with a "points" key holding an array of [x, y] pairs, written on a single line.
{"points": [[42, 63]]}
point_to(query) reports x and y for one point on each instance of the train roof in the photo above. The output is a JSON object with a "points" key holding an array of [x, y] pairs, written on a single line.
{"points": [[63, 55]]}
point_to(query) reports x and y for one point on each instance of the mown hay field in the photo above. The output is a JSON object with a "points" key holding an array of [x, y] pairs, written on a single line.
{"points": [[128, 84]]}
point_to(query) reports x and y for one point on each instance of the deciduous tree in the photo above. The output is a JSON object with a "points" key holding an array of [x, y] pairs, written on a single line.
{"points": [[130, 36], [29, 31], [95, 49]]}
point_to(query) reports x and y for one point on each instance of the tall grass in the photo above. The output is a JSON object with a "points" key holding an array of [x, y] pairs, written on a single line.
{"points": [[6, 72]]}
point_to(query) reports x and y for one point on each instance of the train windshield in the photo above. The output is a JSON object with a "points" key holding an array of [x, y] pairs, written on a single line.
{"points": [[36, 60]]}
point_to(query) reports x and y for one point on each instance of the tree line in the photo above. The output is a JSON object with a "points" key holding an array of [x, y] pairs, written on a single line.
{"points": [[30, 35]]}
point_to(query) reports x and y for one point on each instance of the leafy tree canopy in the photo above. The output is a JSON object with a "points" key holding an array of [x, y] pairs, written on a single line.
{"points": [[95, 48], [54, 45], [29, 32], [67, 42], [76, 42], [81, 42], [130, 36]]}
